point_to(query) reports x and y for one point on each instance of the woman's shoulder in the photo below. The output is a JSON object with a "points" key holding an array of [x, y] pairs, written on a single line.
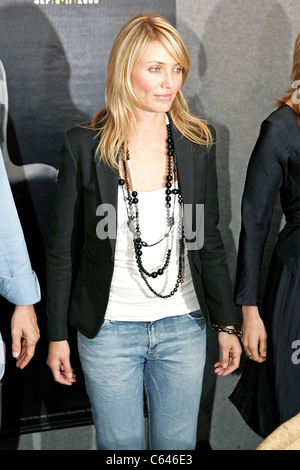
{"points": [[81, 137], [281, 119], [81, 131], [281, 129]]}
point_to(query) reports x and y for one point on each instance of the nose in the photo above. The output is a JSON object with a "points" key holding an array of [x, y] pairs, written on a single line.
{"points": [[168, 79]]}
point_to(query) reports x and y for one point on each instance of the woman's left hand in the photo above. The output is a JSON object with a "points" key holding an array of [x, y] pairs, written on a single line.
{"points": [[231, 353]]}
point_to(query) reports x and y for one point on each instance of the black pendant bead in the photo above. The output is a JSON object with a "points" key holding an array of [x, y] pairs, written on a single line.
{"points": [[154, 274], [121, 181], [135, 200], [169, 177], [134, 193], [160, 271]]}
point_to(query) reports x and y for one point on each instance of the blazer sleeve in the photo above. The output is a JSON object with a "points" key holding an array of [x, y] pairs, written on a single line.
{"points": [[215, 273], [265, 175], [63, 244]]}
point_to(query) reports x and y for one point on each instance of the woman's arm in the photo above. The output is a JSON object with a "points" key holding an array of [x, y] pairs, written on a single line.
{"points": [[215, 274], [18, 283], [265, 175], [62, 261], [64, 243]]}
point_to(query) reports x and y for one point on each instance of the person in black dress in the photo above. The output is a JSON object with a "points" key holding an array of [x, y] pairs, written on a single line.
{"points": [[268, 392]]}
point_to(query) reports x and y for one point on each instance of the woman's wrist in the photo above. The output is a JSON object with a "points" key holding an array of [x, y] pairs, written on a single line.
{"points": [[232, 330], [250, 310]]}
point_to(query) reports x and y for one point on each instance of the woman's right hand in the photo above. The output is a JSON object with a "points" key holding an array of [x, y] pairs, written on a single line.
{"points": [[59, 362], [254, 337]]}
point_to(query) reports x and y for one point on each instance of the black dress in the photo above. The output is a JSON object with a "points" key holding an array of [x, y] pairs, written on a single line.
{"points": [[268, 393]]}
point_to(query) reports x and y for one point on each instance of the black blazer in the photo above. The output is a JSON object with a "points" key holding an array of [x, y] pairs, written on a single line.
{"points": [[80, 265]]}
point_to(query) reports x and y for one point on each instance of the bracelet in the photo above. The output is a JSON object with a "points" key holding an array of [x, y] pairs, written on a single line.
{"points": [[226, 329]]}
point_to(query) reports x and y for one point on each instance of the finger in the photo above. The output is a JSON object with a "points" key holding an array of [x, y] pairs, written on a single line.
{"points": [[67, 370], [220, 370], [26, 355], [233, 364], [16, 343], [263, 348], [220, 366], [56, 369], [66, 374], [69, 376], [254, 349], [60, 377], [225, 360], [248, 353]]}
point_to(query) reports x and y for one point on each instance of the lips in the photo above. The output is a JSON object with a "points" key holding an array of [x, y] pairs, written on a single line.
{"points": [[164, 97]]}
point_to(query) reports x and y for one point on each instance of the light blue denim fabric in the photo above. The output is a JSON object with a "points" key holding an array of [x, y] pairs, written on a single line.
{"points": [[18, 283], [166, 359]]}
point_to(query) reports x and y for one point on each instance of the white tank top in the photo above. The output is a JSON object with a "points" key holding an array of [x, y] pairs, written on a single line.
{"points": [[130, 299]]}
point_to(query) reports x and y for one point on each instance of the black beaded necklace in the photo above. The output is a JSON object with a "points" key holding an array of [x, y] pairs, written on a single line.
{"points": [[131, 201]]}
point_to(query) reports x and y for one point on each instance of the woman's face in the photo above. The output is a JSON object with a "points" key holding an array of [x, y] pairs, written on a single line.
{"points": [[156, 78]]}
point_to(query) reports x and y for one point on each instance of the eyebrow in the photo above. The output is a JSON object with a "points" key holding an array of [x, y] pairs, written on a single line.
{"points": [[160, 63]]}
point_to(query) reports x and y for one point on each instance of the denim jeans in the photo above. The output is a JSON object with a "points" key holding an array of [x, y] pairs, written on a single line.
{"points": [[165, 359]]}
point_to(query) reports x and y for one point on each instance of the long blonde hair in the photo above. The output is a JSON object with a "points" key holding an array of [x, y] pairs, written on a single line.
{"points": [[117, 118], [295, 76]]}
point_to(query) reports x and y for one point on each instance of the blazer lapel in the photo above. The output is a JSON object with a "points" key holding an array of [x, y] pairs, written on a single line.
{"points": [[184, 159]]}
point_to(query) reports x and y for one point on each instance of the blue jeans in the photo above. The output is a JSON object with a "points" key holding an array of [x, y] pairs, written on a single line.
{"points": [[164, 358]]}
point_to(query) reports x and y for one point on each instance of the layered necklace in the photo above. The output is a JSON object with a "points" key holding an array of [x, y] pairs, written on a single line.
{"points": [[133, 222]]}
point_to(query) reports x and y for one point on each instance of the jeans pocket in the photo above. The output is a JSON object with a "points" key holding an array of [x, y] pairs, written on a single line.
{"points": [[197, 316]]}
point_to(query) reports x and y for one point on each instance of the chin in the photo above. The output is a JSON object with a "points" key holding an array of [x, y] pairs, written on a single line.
{"points": [[163, 107]]}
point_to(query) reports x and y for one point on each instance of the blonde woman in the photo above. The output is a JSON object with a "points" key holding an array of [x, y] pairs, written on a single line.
{"points": [[123, 267], [268, 393]]}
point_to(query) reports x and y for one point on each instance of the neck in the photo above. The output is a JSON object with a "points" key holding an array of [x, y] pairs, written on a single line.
{"points": [[149, 126]]}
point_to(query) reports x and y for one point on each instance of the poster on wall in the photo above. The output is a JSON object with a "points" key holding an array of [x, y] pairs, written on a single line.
{"points": [[53, 58]]}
